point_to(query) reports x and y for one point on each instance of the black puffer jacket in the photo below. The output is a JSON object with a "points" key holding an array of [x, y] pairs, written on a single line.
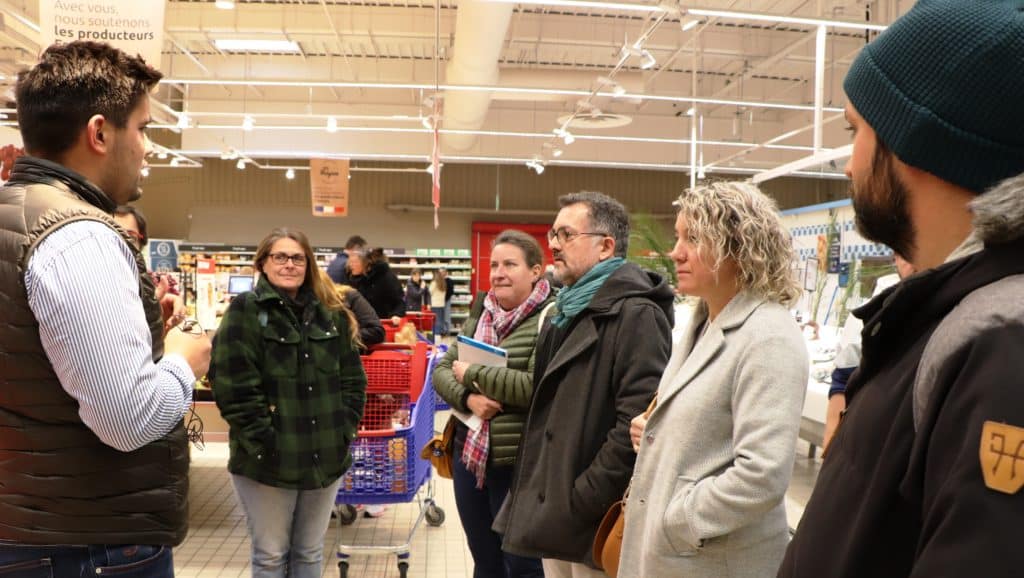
{"points": [[381, 287]]}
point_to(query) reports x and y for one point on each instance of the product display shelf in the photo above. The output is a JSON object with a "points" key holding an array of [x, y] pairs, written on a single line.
{"points": [[207, 289]]}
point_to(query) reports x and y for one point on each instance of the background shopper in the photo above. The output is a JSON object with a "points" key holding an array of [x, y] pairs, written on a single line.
{"points": [[441, 291], [288, 380], [417, 296], [371, 275], [506, 316], [716, 454], [337, 269], [172, 306]]}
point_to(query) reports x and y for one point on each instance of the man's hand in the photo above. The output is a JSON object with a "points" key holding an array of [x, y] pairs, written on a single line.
{"points": [[194, 348], [459, 369], [172, 308], [636, 430], [483, 406]]}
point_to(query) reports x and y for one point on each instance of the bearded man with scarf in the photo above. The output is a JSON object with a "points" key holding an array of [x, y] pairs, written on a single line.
{"points": [[599, 360]]}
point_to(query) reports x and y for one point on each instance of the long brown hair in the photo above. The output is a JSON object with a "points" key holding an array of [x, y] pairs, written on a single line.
{"points": [[439, 277], [333, 298]]}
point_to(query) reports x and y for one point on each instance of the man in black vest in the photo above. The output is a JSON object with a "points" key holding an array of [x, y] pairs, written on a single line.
{"points": [[93, 451]]}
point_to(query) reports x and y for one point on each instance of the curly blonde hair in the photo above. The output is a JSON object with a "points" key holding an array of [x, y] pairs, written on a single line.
{"points": [[735, 220]]}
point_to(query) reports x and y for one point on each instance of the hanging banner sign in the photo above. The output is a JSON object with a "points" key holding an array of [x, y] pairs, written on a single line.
{"points": [[134, 26], [328, 182]]}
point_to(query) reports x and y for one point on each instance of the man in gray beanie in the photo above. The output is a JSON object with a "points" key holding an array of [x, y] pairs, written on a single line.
{"points": [[924, 475]]}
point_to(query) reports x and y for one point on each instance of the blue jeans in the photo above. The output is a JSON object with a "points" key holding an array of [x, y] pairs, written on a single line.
{"points": [[287, 527], [477, 509], [441, 322], [125, 561]]}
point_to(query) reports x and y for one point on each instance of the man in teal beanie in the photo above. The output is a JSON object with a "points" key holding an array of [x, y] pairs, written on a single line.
{"points": [[924, 475]]}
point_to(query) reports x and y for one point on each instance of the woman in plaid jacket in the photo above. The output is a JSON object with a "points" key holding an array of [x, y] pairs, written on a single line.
{"points": [[508, 316], [287, 378]]}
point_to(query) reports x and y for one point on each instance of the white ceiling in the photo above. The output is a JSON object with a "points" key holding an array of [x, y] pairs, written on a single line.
{"points": [[372, 64]]}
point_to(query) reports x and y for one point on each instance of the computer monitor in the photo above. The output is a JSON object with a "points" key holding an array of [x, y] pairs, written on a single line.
{"points": [[239, 284]]}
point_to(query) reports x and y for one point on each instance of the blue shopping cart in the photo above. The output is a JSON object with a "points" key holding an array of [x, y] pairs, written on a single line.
{"points": [[386, 464]]}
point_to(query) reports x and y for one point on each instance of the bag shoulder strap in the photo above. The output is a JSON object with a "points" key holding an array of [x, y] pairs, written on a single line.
{"points": [[543, 315]]}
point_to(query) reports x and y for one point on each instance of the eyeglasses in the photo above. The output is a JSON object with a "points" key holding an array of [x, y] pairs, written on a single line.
{"points": [[566, 236], [281, 258]]}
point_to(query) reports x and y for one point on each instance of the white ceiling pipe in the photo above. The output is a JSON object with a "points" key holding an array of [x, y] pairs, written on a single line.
{"points": [[480, 29]]}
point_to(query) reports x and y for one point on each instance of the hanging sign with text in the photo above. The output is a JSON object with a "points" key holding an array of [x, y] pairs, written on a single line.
{"points": [[134, 26], [328, 182]]}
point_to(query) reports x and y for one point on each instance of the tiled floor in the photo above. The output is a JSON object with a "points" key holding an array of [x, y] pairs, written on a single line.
{"points": [[218, 544]]}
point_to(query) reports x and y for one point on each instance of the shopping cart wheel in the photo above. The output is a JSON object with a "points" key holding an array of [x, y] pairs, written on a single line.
{"points": [[343, 569], [346, 513], [403, 569], [435, 515]]}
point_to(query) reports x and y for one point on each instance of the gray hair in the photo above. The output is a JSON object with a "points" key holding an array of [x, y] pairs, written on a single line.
{"points": [[607, 215]]}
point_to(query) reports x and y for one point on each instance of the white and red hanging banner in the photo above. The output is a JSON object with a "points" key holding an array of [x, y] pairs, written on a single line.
{"points": [[328, 184], [134, 26]]}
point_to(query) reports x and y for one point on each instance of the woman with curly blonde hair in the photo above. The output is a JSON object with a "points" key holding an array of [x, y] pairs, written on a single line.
{"points": [[716, 453]]}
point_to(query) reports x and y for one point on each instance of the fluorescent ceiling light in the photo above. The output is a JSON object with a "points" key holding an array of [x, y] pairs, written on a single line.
{"points": [[289, 174], [256, 45], [225, 4], [175, 162], [144, 172], [240, 164], [700, 12], [248, 123], [481, 88], [332, 124]]}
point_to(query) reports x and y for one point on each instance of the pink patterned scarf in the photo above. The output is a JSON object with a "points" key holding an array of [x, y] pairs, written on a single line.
{"points": [[493, 326]]}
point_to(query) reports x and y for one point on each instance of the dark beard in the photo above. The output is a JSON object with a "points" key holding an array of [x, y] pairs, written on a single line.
{"points": [[880, 205]]}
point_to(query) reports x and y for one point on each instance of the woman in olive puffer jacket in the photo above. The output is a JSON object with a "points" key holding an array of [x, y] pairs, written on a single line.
{"points": [[508, 316]]}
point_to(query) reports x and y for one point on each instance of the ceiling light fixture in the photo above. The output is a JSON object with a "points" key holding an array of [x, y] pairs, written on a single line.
{"points": [[240, 165], [175, 162], [691, 111], [161, 155], [565, 135], [552, 149], [536, 164], [248, 123], [427, 122], [144, 172], [225, 4], [647, 60], [332, 124], [616, 88], [256, 45], [183, 120], [289, 174], [584, 105], [688, 24]]}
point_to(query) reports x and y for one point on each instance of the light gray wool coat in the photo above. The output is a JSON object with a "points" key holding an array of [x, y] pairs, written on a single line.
{"points": [[717, 453]]}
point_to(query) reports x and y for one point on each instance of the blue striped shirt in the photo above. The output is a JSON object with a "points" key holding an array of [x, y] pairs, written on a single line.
{"points": [[83, 287]]}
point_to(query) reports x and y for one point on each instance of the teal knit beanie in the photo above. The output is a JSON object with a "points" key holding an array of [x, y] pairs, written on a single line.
{"points": [[943, 88]]}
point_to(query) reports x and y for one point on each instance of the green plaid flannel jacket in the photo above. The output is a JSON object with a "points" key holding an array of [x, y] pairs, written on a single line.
{"points": [[292, 390]]}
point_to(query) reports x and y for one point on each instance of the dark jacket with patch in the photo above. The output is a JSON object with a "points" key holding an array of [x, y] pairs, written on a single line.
{"points": [[291, 386], [947, 345], [59, 484], [575, 457]]}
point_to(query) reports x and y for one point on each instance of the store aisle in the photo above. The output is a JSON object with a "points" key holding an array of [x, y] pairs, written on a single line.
{"points": [[218, 545]]}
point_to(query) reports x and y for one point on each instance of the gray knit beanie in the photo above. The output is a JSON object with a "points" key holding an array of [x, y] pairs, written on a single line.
{"points": [[943, 88]]}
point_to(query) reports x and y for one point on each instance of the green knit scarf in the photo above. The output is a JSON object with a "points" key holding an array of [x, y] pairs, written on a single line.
{"points": [[575, 298]]}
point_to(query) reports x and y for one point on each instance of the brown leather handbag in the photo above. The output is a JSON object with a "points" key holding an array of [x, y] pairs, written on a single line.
{"points": [[440, 450], [608, 540]]}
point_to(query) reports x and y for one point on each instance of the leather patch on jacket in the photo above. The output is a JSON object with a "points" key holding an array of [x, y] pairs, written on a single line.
{"points": [[1002, 457]]}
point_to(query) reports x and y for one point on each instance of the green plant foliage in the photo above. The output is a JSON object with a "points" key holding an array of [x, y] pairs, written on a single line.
{"points": [[650, 242]]}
